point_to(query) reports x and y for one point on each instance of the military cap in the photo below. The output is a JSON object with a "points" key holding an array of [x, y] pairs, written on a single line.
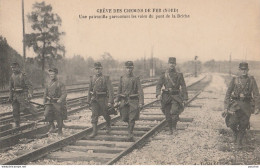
{"points": [[243, 66], [14, 64], [129, 64], [172, 60], [97, 65], [53, 70]]}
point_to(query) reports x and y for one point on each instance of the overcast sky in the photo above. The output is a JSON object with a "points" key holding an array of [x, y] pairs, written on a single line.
{"points": [[215, 29]]}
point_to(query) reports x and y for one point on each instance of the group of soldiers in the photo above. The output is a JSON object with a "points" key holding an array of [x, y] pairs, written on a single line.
{"points": [[54, 99], [129, 99], [242, 98]]}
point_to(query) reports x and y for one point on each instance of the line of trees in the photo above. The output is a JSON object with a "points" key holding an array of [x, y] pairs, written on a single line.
{"points": [[44, 38]]}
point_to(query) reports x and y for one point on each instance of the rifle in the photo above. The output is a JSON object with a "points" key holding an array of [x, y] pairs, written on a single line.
{"points": [[40, 105]]}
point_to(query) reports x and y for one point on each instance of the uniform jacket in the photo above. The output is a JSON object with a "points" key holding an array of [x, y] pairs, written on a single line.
{"points": [[100, 84], [130, 85], [19, 81], [240, 87], [179, 83], [55, 89]]}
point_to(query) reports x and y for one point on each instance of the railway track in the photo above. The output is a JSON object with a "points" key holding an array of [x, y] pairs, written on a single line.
{"points": [[39, 94], [6, 117], [107, 149], [7, 138]]}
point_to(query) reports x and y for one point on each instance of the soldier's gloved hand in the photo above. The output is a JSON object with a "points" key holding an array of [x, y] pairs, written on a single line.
{"points": [[116, 104], [256, 111], [224, 114], [10, 99], [59, 101], [185, 102], [29, 96], [109, 104], [140, 106], [159, 97]]}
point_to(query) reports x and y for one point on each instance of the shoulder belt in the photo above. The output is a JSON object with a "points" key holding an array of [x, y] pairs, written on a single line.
{"points": [[238, 81], [167, 76]]}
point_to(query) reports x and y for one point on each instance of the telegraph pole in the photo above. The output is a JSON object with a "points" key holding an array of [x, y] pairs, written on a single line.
{"points": [[195, 60], [24, 49], [230, 64], [144, 63], [151, 68]]}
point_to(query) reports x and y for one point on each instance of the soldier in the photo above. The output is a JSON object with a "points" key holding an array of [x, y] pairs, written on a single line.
{"points": [[242, 94], [21, 91], [131, 98], [100, 98], [172, 99], [54, 100]]}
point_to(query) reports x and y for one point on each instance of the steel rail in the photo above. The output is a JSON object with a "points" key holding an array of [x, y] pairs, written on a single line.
{"points": [[3, 99], [5, 141], [38, 153]]}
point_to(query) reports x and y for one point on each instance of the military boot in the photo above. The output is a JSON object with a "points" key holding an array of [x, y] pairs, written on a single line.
{"points": [[94, 132], [240, 138], [108, 125], [130, 136], [170, 128], [52, 129], [60, 125], [60, 131], [17, 124], [234, 138], [174, 126]]}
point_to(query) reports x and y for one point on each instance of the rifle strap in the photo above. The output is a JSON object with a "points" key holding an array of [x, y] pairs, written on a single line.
{"points": [[167, 76], [240, 83]]}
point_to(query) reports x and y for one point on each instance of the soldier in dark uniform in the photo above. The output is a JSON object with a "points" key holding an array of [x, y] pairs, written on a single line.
{"points": [[239, 102], [21, 91], [172, 98], [100, 98], [54, 100], [131, 98]]}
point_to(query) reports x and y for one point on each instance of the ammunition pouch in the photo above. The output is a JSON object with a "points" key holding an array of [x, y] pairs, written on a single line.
{"points": [[171, 92], [127, 97], [96, 94], [52, 100]]}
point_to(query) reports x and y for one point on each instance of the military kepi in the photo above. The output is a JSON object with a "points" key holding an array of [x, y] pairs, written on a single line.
{"points": [[129, 64], [55, 70], [97, 65], [172, 60], [243, 66]]}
